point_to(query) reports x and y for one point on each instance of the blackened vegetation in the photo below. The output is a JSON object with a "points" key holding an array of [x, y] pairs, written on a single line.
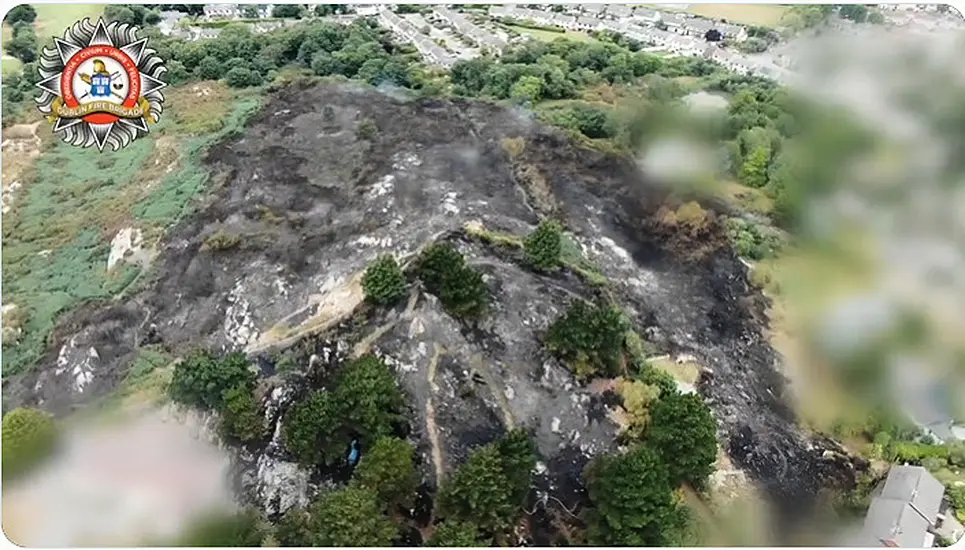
{"points": [[307, 199]]}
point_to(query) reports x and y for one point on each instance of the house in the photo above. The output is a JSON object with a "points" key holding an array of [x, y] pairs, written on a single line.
{"points": [[619, 11], [697, 27], [220, 11], [366, 10], [568, 22], [736, 33], [676, 22], [593, 10], [480, 36], [906, 510], [170, 20], [587, 23], [646, 17]]}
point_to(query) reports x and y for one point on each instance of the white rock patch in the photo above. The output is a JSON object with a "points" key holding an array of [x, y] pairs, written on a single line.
{"points": [[128, 245]]}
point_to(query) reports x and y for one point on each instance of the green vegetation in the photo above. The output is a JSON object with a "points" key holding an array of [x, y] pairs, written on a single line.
{"points": [[245, 529], [366, 130], [221, 241], [388, 470], [351, 516], [684, 435], [633, 500], [383, 281], [589, 339], [544, 245], [201, 379], [490, 489], [459, 287], [242, 417], [753, 241], [638, 398], [29, 436], [365, 403], [455, 534]]}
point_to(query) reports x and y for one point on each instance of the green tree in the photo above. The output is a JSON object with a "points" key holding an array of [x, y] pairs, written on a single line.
{"points": [[455, 534], [855, 12], [242, 77], [589, 339], [632, 499], [242, 530], [754, 169], [528, 89], [350, 517], [23, 45], [491, 487], [479, 491], [23, 13], [683, 432], [29, 436], [309, 428], [544, 245], [366, 403], [201, 379], [121, 14], [242, 417], [383, 281], [209, 69], [292, 11], [388, 469], [459, 287]]}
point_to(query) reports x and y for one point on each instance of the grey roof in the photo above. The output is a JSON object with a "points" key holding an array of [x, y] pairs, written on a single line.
{"points": [[619, 10], [906, 506]]}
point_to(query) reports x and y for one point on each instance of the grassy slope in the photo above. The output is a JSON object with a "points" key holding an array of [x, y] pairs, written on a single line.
{"points": [[57, 237], [549, 36], [766, 15]]}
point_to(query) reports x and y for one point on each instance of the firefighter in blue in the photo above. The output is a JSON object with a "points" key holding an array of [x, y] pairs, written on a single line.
{"points": [[100, 81]]}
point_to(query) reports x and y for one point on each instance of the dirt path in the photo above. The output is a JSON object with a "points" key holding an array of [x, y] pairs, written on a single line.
{"points": [[431, 426]]}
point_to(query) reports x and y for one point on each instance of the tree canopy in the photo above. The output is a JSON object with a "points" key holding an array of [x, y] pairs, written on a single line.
{"points": [[683, 433]]}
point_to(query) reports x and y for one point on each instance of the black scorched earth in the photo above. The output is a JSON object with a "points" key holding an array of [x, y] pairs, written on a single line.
{"points": [[314, 199]]}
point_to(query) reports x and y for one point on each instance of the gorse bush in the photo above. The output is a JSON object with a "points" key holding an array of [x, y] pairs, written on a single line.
{"points": [[366, 403], [455, 534], [383, 281], [351, 516], [589, 339], [388, 469], [491, 487], [242, 415], [544, 245], [459, 287], [202, 379], [683, 433], [29, 436]]}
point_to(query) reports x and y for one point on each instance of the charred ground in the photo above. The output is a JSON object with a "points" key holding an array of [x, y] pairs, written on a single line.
{"points": [[308, 194]]}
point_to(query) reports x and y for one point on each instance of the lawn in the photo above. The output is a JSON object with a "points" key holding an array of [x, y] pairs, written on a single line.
{"points": [[11, 65], [53, 19], [765, 15], [549, 36]]}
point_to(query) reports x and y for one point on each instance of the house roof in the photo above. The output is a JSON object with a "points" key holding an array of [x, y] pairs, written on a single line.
{"points": [[906, 506]]}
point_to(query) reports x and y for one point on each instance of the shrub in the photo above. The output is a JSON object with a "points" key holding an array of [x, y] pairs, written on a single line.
{"points": [[455, 534], [633, 500], [241, 530], [459, 287], [29, 436], [383, 281], [544, 245], [366, 403], [366, 130], [638, 398], [201, 379], [491, 487], [589, 339], [242, 77], [683, 432], [388, 469], [350, 517], [751, 241], [242, 415], [221, 241]]}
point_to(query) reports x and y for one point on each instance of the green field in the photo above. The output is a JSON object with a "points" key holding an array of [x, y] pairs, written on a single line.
{"points": [[549, 36], [11, 65], [765, 15], [53, 19]]}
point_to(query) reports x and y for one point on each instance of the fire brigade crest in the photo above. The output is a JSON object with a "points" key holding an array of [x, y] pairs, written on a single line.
{"points": [[100, 84]]}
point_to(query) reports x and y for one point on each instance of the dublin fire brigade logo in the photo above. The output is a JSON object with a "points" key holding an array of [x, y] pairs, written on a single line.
{"points": [[101, 85]]}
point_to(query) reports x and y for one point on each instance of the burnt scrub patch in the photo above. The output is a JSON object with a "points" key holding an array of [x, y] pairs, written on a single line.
{"points": [[312, 208]]}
